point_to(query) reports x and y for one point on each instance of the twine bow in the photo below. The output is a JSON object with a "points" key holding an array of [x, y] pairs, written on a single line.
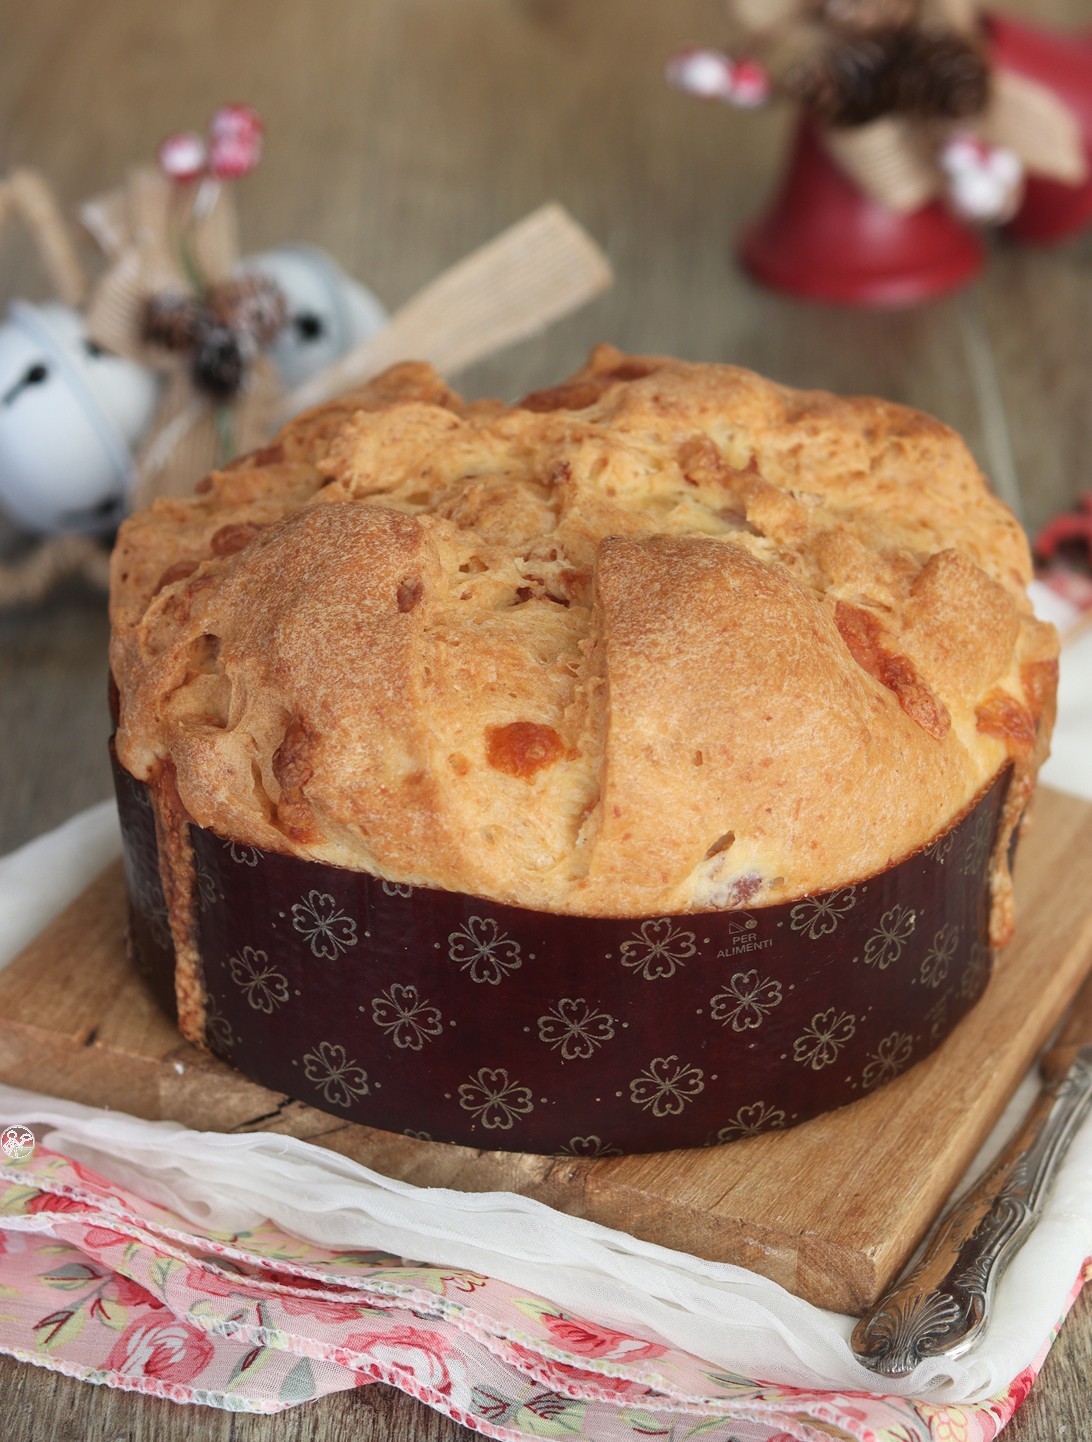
{"points": [[170, 300]]}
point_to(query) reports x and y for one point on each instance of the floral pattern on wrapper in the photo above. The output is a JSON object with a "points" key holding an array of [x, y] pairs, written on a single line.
{"points": [[122, 1291], [400, 1007]]}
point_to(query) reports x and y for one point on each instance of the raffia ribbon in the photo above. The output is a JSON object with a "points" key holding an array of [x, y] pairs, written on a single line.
{"points": [[885, 159], [144, 228], [192, 436], [1038, 127], [888, 162], [959, 14], [25, 193], [29, 580], [541, 268]]}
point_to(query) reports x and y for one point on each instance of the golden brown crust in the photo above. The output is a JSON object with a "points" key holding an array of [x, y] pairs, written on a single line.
{"points": [[179, 890], [559, 653]]}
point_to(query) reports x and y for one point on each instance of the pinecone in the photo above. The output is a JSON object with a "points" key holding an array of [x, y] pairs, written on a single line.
{"points": [[926, 74], [252, 306], [173, 322], [219, 365], [939, 75], [869, 15], [222, 332], [848, 83]]}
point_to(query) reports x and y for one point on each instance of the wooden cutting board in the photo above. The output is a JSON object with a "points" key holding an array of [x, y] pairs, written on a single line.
{"points": [[831, 1209]]}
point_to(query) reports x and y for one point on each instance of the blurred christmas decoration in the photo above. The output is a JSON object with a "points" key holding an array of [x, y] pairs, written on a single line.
{"points": [[329, 313], [538, 270], [171, 301], [188, 356], [920, 120], [714, 76], [1063, 554], [245, 343], [70, 414], [985, 182], [235, 142], [220, 333], [1055, 205]]}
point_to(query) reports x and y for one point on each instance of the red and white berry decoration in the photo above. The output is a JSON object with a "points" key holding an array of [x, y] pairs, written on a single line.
{"points": [[985, 182], [235, 136], [712, 75], [183, 156]]}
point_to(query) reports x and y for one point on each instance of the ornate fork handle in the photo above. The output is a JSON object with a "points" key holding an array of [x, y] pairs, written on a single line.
{"points": [[940, 1308]]}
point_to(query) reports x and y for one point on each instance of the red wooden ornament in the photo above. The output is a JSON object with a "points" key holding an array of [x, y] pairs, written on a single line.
{"points": [[1069, 527], [824, 239]]}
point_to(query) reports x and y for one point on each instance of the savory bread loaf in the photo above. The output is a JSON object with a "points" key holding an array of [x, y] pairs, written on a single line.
{"points": [[665, 638]]}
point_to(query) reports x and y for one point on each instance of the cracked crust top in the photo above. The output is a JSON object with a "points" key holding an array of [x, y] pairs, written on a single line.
{"points": [[665, 637]]}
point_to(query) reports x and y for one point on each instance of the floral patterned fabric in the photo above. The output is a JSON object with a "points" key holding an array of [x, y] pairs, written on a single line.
{"points": [[105, 1286]]}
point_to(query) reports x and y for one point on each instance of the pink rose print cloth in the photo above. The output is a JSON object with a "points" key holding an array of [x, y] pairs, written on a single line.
{"points": [[105, 1286]]}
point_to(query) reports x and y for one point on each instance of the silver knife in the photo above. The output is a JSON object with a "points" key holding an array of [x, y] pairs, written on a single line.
{"points": [[941, 1306]]}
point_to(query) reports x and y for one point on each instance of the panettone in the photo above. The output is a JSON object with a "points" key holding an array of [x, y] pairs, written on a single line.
{"points": [[640, 761], [666, 638]]}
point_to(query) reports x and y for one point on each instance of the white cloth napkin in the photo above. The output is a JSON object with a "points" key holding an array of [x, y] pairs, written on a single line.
{"points": [[1069, 765], [731, 1317], [39, 880]]}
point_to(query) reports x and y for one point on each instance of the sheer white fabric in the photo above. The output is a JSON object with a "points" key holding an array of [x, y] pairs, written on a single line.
{"points": [[733, 1318]]}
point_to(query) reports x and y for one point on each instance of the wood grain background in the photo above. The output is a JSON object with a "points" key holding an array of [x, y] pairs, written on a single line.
{"points": [[400, 134]]}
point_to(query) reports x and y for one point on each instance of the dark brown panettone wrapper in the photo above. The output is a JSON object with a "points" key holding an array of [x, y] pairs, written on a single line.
{"points": [[149, 934], [457, 1019]]}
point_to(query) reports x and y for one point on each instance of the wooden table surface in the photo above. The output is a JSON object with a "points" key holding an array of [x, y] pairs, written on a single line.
{"points": [[401, 134]]}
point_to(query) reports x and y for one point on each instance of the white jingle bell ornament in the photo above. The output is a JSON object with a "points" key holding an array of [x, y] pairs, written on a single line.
{"points": [[329, 313], [71, 415]]}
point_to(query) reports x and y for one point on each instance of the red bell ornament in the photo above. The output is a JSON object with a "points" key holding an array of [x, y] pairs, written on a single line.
{"points": [[919, 125], [824, 239]]}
